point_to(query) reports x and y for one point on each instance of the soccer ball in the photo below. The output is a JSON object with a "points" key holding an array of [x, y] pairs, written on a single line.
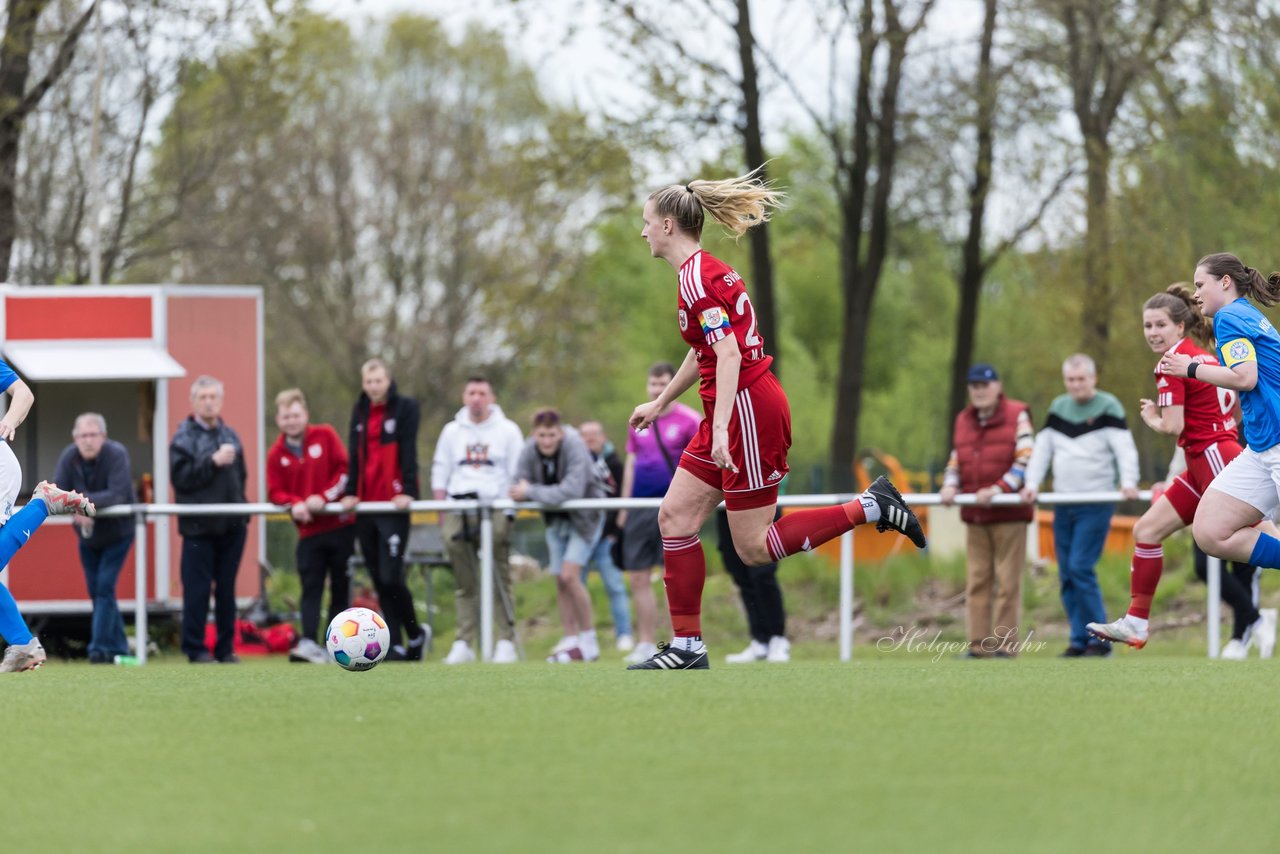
{"points": [[358, 638]]}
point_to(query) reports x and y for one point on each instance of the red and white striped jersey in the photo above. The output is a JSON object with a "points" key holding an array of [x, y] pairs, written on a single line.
{"points": [[1208, 411], [713, 304]]}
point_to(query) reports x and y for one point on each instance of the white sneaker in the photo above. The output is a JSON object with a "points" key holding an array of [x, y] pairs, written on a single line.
{"points": [[1235, 650], [755, 651], [24, 656], [779, 650], [1120, 631], [626, 643], [309, 651], [565, 644], [1264, 632], [460, 653], [504, 652], [642, 652]]}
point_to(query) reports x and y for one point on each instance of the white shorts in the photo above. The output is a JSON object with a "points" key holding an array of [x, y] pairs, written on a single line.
{"points": [[1253, 478], [10, 481]]}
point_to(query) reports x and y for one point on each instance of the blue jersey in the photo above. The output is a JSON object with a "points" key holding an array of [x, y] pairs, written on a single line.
{"points": [[1243, 334], [7, 376]]}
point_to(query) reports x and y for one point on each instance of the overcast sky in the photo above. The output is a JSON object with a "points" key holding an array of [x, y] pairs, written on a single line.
{"points": [[587, 71]]}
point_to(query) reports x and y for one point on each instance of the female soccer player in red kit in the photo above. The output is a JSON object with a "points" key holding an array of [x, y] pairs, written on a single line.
{"points": [[1202, 416], [739, 454]]}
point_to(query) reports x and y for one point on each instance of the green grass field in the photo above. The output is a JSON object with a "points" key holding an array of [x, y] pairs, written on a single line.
{"points": [[1158, 751]]}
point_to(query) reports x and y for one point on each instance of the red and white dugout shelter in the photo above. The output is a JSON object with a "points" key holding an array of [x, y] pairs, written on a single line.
{"points": [[130, 353]]}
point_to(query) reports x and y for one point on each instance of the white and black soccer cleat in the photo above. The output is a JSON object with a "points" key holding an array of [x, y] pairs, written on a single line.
{"points": [[669, 658], [895, 515]]}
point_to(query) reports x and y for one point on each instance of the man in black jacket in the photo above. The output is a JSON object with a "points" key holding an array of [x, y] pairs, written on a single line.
{"points": [[99, 467], [384, 467], [206, 466]]}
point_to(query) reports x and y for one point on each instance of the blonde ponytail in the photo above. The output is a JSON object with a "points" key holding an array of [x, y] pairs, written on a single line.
{"points": [[736, 203]]}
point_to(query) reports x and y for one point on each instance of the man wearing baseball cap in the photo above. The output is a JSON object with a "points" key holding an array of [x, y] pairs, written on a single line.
{"points": [[992, 444]]}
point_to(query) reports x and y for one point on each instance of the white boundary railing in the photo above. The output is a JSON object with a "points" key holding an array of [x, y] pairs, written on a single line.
{"points": [[142, 512]]}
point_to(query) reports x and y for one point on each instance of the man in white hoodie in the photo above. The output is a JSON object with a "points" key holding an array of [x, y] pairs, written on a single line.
{"points": [[476, 459]]}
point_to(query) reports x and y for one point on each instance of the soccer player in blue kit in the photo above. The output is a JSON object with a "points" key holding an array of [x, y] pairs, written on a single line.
{"points": [[1248, 346], [24, 651]]}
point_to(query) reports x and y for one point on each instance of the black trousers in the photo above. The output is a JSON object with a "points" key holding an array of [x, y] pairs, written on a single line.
{"points": [[758, 586], [1237, 591], [210, 561], [383, 540], [318, 557]]}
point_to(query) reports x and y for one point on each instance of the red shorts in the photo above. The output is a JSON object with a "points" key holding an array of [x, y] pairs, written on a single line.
{"points": [[759, 436], [1185, 491]]}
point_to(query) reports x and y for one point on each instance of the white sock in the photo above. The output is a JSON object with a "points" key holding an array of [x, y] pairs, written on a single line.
{"points": [[588, 641], [692, 644], [1138, 624], [870, 507]]}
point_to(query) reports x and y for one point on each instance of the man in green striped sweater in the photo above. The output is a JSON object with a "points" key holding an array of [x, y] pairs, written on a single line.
{"points": [[1087, 442]]}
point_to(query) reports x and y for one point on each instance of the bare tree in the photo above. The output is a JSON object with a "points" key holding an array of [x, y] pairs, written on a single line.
{"points": [[1103, 49], [18, 98], [688, 76], [55, 208], [865, 147], [976, 258]]}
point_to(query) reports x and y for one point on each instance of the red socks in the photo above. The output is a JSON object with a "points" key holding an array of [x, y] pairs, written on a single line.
{"points": [[686, 571], [802, 530], [1148, 563]]}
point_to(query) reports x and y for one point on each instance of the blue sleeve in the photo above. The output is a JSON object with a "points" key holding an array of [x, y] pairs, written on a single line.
{"points": [[7, 376], [1229, 327]]}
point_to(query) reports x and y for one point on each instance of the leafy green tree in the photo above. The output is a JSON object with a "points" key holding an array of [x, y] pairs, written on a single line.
{"points": [[400, 193]]}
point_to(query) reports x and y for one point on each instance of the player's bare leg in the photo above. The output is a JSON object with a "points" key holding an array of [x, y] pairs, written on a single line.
{"points": [[1224, 527]]}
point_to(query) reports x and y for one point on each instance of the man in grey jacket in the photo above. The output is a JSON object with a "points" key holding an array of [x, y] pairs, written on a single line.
{"points": [[555, 466], [476, 458]]}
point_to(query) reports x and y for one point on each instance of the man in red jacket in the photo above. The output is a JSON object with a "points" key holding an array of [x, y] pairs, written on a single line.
{"points": [[307, 469], [992, 444]]}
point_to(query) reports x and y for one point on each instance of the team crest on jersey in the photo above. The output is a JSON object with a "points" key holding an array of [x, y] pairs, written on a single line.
{"points": [[314, 451], [285, 462], [684, 320]]}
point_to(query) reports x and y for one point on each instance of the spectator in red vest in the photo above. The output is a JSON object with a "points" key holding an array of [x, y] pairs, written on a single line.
{"points": [[384, 467], [307, 469], [992, 445]]}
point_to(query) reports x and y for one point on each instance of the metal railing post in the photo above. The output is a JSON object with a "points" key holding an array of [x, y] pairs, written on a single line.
{"points": [[1213, 583], [486, 583], [140, 584], [846, 596]]}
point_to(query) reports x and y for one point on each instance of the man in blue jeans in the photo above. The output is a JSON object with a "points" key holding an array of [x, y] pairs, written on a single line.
{"points": [[1087, 442], [99, 468], [609, 468]]}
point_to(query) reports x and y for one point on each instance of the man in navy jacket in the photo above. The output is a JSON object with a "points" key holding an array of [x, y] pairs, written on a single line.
{"points": [[99, 467]]}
